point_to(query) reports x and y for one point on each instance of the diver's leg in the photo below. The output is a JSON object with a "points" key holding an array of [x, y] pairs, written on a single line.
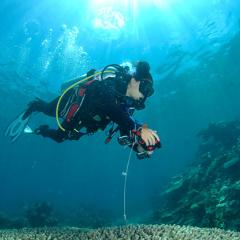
{"points": [[16, 127], [56, 135], [38, 105], [48, 108]]}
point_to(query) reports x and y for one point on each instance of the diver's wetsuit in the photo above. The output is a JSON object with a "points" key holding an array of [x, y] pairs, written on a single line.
{"points": [[99, 107]]}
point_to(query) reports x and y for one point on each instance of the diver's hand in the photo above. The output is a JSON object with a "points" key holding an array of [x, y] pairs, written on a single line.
{"points": [[142, 153], [149, 136], [140, 149]]}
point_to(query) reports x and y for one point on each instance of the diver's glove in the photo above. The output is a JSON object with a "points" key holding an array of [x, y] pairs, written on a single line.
{"points": [[147, 142], [42, 130], [141, 152], [148, 137], [143, 140]]}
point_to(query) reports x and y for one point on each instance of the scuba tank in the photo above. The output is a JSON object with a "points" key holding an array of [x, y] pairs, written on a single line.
{"points": [[69, 83]]}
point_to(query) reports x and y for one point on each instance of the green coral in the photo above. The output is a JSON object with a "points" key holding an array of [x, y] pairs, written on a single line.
{"points": [[208, 193]]}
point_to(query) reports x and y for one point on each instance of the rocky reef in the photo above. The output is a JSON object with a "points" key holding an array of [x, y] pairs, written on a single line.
{"points": [[129, 232], [208, 193]]}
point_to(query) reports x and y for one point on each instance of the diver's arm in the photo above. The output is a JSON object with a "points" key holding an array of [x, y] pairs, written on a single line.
{"points": [[104, 100], [125, 122], [140, 138]]}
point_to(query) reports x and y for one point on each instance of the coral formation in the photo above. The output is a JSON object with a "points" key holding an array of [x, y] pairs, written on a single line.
{"points": [[6, 222], [129, 232], [40, 215], [207, 194], [89, 216]]}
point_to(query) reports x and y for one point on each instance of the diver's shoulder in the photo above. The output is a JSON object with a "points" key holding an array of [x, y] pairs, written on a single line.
{"points": [[107, 83], [104, 87]]}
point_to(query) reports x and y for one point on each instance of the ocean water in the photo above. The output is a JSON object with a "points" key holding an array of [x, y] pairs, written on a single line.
{"points": [[193, 48]]}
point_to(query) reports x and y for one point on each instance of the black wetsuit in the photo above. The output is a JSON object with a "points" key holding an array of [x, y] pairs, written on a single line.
{"points": [[100, 106]]}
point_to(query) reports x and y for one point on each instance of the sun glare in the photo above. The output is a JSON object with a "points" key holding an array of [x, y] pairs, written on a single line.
{"points": [[162, 4], [112, 17]]}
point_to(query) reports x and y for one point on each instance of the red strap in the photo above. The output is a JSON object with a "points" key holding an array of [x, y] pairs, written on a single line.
{"points": [[136, 132], [107, 140], [81, 92], [72, 111], [89, 83], [84, 87]]}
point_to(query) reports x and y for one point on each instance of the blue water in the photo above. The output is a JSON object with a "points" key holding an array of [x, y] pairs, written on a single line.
{"points": [[193, 48]]}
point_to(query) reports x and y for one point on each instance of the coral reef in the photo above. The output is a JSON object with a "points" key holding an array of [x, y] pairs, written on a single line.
{"points": [[89, 216], [6, 222], [129, 232], [208, 193], [40, 215], [219, 137], [37, 215]]}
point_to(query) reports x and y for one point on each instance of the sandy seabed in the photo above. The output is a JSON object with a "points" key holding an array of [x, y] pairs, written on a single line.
{"points": [[127, 232]]}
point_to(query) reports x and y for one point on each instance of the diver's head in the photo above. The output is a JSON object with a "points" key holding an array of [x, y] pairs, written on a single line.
{"points": [[136, 85], [133, 90], [145, 79], [141, 84]]}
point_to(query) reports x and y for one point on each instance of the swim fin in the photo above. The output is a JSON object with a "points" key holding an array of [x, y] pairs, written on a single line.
{"points": [[17, 127]]}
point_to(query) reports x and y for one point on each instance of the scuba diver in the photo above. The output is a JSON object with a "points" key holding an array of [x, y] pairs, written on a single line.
{"points": [[92, 102]]}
